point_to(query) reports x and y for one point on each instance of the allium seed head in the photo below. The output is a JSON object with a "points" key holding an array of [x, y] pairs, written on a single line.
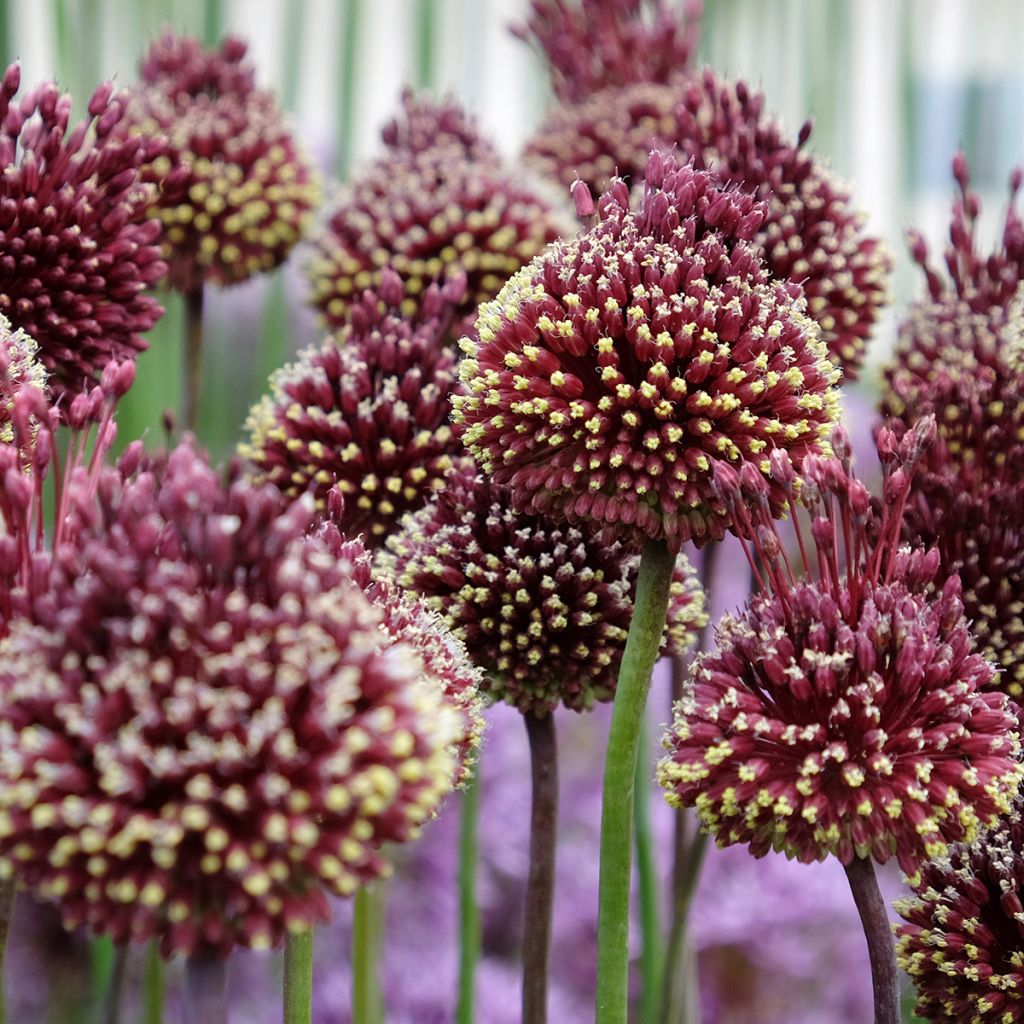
{"points": [[76, 254], [615, 372], [204, 723], [236, 189], [543, 608], [845, 712]]}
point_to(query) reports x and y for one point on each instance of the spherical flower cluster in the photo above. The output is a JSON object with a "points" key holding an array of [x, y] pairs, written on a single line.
{"points": [[19, 368], [236, 190], [426, 126], [811, 234], [544, 609], [963, 943], [76, 254], [430, 214], [618, 369], [845, 712], [954, 360], [366, 413], [597, 44], [203, 724]]}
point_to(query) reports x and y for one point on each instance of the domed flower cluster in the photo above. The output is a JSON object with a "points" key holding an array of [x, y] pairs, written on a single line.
{"points": [[20, 368], [955, 360], [615, 372], [811, 233], [544, 609], [431, 213], [844, 712], [963, 943], [204, 725], [426, 125], [76, 254], [366, 413], [236, 190]]}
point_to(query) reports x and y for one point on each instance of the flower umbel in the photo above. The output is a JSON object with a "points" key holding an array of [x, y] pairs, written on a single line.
{"points": [[846, 712], [618, 369]]}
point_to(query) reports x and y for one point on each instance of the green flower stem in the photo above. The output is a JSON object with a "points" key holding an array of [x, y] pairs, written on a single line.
{"points": [[7, 890], [885, 978], [153, 985], [298, 978], [193, 379], [114, 994], [540, 885], [651, 954], [206, 990], [367, 932], [649, 612], [469, 909]]}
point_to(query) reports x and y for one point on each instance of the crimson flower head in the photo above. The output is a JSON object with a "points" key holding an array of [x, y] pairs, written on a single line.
{"points": [[426, 126], [617, 370], [956, 359], [205, 723], [431, 214], [544, 608], [845, 710], [236, 191], [366, 413], [76, 253], [811, 233], [963, 940]]}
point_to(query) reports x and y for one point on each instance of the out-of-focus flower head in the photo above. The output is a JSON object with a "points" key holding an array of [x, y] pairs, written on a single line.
{"points": [[544, 608], [596, 44], [236, 189], [616, 371], [426, 126], [204, 725], [811, 233], [366, 412], [76, 253], [431, 213], [845, 711], [963, 943], [956, 360]]}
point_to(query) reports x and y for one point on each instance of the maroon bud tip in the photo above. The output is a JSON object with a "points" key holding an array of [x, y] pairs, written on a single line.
{"points": [[582, 198], [391, 290], [961, 170], [100, 98]]}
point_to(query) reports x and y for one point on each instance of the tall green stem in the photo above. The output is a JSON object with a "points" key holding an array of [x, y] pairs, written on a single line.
{"points": [[115, 986], [298, 978], [885, 980], [193, 357], [651, 954], [367, 932], [469, 909], [153, 985], [540, 886], [642, 644]]}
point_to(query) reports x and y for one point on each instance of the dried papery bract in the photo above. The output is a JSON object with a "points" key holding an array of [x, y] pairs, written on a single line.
{"points": [[76, 251]]}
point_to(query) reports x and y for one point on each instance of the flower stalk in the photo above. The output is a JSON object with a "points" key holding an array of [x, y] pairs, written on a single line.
{"points": [[298, 977], [881, 952], [651, 951], [192, 384], [469, 909], [367, 927]]}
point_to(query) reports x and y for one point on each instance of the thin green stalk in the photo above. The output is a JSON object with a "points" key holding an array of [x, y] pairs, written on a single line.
{"points": [[367, 999], [469, 909], [347, 86], [425, 37], [298, 978], [153, 985], [115, 987], [7, 890], [885, 979], [651, 953], [193, 357], [101, 969], [206, 990], [649, 612]]}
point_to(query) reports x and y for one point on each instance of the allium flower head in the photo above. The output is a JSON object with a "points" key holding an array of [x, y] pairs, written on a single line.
{"points": [[203, 724], [76, 254], [366, 412], [963, 943], [844, 712], [955, 360], [430, 214], [437, 128], [236, 190], [543, 608], [811, 233], [19, 368], [619, 368]]}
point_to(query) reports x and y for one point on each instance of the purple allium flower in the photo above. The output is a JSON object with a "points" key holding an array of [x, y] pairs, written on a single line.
{"points": [[76, 255], [431, 214], [956, 360], [203, 725], [426, 125], [366, 412], [596, 44], [544, 609], [615, 372], [846, 712], [236, 189], [963, 943], [811, 233]]}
